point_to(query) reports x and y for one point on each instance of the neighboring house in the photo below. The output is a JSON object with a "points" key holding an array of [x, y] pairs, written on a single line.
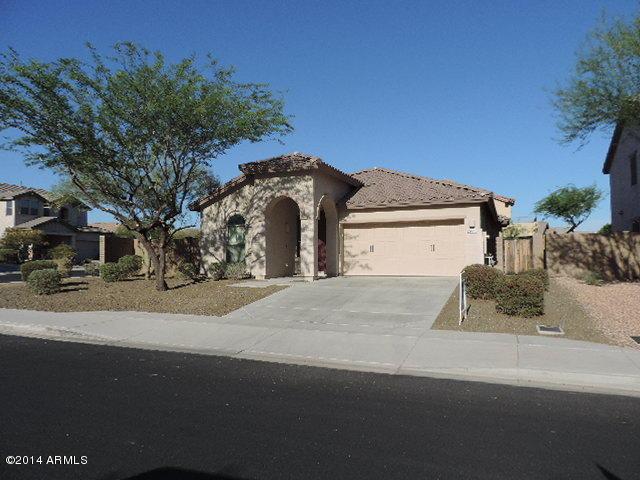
{"points": [[33, 208], [295, 214], [621, 165]]}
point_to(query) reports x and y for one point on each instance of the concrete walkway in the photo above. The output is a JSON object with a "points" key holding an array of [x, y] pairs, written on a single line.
{"points": [[311, 324]]}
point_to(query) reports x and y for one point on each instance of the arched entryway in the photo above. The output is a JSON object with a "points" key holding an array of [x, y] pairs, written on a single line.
{"points": [[282, 218], [327, 231]]}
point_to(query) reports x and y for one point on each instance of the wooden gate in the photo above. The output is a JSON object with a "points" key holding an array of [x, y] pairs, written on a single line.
{"points": [[518, 255]]}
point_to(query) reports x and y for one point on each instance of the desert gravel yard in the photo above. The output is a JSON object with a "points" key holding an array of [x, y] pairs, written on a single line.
{"points": [[614, 307], [562, 308], [92, 294]]}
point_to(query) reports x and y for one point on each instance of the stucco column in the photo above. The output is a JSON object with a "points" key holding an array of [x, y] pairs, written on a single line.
{"points": [[308, 242]]}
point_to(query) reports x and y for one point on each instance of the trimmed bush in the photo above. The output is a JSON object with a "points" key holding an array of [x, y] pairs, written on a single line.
{"points": [[481, 281], [28, 267], [63, 251], [217, 271], [521, 295], [541, 274], [112, 272], [236, 271], [593, 278], [92, 268], [64, 266], [189, 271], [44, 282], [130, 264]]}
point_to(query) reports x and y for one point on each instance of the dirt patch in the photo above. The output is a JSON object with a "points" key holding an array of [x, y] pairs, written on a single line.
{"points": [[561, 309], [90, 294], [615, 307]]}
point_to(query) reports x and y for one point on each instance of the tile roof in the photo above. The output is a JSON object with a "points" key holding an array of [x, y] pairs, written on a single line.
{"points": [[9, 191], [389, 188], [105, 226], [290, 162], [36, 221], [295, 162]]}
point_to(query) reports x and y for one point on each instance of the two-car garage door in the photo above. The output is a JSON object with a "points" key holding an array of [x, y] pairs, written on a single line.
{"points": [[404, 248]]}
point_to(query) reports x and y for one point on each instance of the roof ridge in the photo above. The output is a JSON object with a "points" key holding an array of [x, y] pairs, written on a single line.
{"points": [[429, 179]]}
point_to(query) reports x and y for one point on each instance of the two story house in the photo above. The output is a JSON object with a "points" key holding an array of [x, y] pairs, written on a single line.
{"points": [[34, 208], [621, 165]]}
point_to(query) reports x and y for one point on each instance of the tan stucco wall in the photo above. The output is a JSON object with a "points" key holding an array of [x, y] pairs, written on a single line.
{"points": [[251, 201], [625, 198], [474, 245], [614, 257], [503, 208], [6, 221]]}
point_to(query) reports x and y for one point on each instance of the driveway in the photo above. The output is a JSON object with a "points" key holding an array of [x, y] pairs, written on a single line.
{"points": [[379, 305]]}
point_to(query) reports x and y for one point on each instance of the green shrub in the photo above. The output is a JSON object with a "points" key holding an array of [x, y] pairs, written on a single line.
{"points": [[521, 295], [112, 272], [44, 282], [605, 229], [63, 251], [92, 268], [217, 271], [189, 270], [541, 274], [481, 281], [28, 267], [236, 271], [64, 266], [593, 278], [9, 255], [130, 264]]}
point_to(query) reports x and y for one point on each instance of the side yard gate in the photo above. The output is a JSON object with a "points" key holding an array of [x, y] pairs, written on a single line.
{"points": [[518, 255]]}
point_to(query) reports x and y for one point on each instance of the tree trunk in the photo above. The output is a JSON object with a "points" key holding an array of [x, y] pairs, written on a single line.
{"points": [[161, 284], [158, 260]]}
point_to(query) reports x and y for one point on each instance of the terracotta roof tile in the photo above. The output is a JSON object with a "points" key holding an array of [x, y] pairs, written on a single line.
{"points": [[9, 191], [389, 188]]}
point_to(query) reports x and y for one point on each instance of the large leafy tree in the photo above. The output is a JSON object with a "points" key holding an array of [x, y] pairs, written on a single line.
{"points": [[16, 243], [571, 204], [604, 88], [131, 134]]}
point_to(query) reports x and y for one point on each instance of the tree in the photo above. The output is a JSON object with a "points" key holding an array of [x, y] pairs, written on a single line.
{"points": [[20, 241], [132, 135], [571, 204], [604, 89]]}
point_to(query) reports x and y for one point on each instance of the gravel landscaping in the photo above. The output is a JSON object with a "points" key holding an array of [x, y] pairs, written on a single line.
{"points": [[91, 294], [614, 307], [562, 309]]}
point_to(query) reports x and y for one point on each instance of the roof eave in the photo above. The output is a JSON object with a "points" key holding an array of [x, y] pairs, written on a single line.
{"points": [[613, 147], [439, 203]]}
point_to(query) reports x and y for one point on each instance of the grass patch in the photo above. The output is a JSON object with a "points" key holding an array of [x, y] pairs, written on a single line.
{"points": [[93, 294], [560, 307]]}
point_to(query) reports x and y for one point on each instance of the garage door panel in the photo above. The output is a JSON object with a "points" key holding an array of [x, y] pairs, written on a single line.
{"points": [[404, 249]]}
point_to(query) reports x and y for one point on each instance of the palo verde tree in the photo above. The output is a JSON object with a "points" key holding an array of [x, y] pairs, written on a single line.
{"points": [[604, 88], [131, 134], [571, 204]]}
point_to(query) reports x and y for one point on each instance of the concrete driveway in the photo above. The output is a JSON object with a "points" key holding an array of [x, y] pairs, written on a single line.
{"points": [[378, 305]]}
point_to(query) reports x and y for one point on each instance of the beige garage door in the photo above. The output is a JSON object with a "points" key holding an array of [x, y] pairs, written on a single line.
{"points": [[425, 248]]}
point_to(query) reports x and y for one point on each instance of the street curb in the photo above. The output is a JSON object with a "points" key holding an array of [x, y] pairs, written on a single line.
{"points": [[565, 381]]}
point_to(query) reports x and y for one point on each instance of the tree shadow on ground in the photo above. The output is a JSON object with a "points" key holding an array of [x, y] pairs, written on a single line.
{"points": [[173, 473], [607, 473]]}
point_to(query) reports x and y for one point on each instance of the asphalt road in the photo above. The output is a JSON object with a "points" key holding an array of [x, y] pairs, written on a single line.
{"points": [[143, 414]]}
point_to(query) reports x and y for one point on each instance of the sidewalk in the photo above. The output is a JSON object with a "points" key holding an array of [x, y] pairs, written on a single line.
{"points": [[496, 358]]}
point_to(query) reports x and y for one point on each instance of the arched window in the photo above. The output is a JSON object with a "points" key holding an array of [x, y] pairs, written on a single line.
{"points": [[236, 231]]}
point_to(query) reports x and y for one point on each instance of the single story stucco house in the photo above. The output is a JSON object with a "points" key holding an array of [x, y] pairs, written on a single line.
{"points": [[297, 215]]}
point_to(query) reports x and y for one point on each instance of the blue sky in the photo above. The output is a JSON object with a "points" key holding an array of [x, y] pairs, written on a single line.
{"points": [[450, 89]]}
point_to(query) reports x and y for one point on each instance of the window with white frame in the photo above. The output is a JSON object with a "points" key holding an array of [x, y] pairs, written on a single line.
{"points": [[9, 208]]}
